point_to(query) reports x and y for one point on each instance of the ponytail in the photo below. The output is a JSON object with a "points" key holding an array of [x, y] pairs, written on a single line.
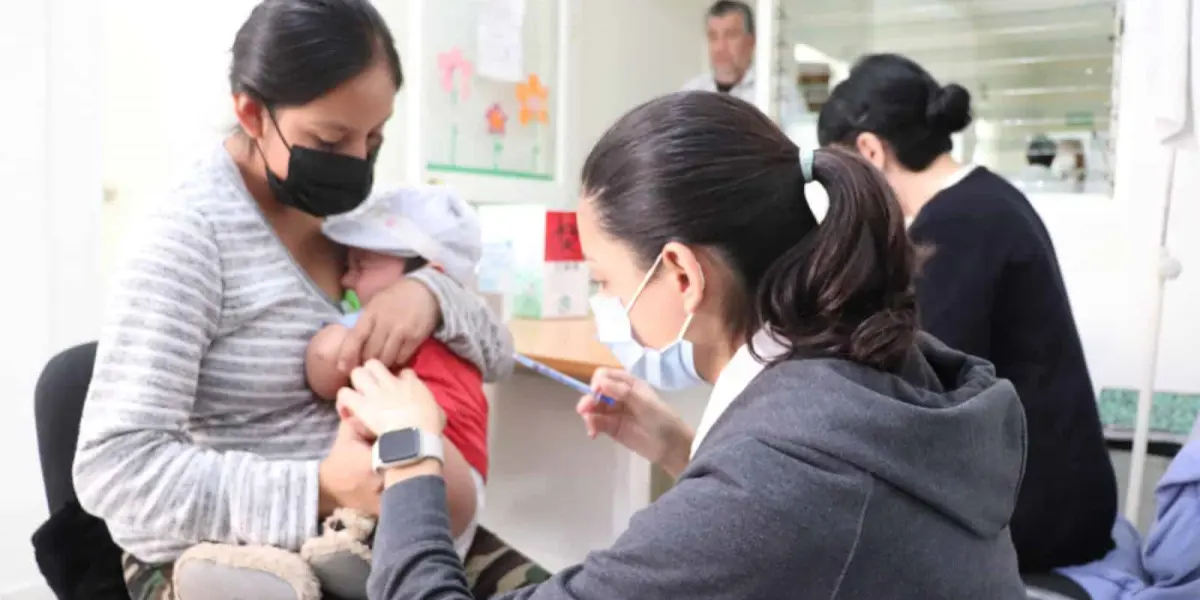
{"points": [[845, 290]]}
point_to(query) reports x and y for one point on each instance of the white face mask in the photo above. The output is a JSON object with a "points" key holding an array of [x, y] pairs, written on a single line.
{"points": [[671, 368]]}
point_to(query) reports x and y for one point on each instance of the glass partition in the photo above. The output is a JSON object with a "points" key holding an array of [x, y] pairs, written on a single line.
{"points": [[1040, 73]]}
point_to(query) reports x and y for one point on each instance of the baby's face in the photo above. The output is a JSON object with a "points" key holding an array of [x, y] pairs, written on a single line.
{"points": [[369, 273]]}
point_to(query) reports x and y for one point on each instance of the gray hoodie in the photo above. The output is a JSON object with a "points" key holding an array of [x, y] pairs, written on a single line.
{"points": [[823, 480]]}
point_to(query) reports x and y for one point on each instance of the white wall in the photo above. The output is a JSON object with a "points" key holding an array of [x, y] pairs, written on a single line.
{"points": [[165, 99], [51, 174], [632, 51]]}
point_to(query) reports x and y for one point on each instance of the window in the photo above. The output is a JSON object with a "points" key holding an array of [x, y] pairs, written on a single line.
{"points": [[1036, 70]]}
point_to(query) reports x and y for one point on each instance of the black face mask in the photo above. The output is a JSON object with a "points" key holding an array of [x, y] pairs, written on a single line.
{"points": [[324, 183]]}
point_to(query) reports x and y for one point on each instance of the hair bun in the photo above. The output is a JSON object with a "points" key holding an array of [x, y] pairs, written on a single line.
{"points": [[950, 109]]}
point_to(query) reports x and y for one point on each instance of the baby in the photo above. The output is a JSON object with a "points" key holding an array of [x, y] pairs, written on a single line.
{"points": [[393, 234]]}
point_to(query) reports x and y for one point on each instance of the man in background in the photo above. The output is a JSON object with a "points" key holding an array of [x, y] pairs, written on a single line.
{"points": [[1037, 176], [731, 41]]}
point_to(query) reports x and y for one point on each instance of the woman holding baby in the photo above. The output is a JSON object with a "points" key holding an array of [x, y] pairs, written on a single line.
{"points": [[199, 426]]}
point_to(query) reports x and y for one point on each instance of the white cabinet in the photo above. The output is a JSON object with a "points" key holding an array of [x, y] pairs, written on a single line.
{"points": [[552, 492]]}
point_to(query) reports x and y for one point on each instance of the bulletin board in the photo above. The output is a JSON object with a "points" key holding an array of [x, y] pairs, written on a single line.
{"points": [[482, 119]]}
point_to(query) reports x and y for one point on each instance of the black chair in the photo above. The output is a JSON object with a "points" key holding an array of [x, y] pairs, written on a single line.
{"points": [[1052, 586], [74, 550]]}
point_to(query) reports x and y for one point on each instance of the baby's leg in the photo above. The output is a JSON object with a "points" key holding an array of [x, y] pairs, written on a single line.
{"points": [[462, 494], [463, 541], [320, 362]]}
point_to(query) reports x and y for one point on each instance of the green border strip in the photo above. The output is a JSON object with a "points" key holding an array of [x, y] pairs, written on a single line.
{"points": [[443, 168], [1171, 416]]}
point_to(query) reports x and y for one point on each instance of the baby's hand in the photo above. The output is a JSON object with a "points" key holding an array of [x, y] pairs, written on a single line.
{"points": [[327, 342], [320, 363]]}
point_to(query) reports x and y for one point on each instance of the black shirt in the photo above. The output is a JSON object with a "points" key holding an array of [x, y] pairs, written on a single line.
{"points": [[992, 287]]}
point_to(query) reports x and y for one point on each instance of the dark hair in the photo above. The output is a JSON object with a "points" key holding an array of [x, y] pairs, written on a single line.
{"points": [[291, 52], [894, 98], [713, 172], [720, 8], [1041, 151]]}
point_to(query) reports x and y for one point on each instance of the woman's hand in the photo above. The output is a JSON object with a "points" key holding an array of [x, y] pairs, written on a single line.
{"points": [[638, 420], [391, 326], [380, 402], [346, 478]]}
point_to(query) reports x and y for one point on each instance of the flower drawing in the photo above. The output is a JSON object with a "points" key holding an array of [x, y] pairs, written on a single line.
{"points": [[496, 119], [453, 63], [533, 97]]}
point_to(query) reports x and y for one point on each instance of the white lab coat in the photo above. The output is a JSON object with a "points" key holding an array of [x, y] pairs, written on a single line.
{"points": [[1175, 73], [791, 107], [1038, 178]]}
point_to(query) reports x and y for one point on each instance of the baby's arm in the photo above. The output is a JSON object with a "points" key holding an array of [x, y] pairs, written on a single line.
{"points": [[468, 326], [320, 362], [325, 380]]}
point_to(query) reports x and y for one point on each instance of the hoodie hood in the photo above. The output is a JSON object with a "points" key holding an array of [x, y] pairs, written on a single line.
{"points": [[944, 430]]}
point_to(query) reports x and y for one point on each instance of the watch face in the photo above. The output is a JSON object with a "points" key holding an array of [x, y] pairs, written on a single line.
{"points": [[396, 446]]}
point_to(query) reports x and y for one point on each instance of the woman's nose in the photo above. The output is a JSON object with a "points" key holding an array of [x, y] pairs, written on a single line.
{"points": [[358, 149]]}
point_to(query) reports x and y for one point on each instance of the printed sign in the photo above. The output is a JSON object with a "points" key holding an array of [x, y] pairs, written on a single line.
{"points": [[562, 237]]}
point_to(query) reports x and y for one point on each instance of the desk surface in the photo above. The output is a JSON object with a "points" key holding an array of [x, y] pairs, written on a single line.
{"points": [[568, 345]]}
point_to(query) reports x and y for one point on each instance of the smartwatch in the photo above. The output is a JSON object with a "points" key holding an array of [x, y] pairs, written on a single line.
{"points": [[404, 447]]}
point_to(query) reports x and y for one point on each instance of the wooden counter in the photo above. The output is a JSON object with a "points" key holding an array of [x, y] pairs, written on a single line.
{"points": [[568, 345]]}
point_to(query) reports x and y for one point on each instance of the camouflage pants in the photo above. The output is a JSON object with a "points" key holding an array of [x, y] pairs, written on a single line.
{"points": [[146, 582], [493, 568]]}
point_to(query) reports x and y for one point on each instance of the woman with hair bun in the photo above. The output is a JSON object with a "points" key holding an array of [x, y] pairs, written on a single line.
{"points": [[842, 454], [992, 287]]}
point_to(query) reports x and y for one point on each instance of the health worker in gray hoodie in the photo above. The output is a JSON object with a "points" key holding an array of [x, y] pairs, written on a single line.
{"points": [[844, 454]]}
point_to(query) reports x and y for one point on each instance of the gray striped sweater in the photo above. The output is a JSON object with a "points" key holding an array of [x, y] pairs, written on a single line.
{"points": [[199, 425]]}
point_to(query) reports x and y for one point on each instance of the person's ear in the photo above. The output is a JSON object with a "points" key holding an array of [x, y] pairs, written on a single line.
{"points": [[871, 148], [249, 115], [683, 268]]}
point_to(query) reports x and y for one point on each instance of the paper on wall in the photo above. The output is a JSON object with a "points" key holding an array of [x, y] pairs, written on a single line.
{"points": [[564, 290], [496, 264], [500, 53]]}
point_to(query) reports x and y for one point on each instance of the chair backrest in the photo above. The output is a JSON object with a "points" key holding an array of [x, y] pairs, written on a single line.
{"points": [[74, 550], [1052, 586], [58, 407]]}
